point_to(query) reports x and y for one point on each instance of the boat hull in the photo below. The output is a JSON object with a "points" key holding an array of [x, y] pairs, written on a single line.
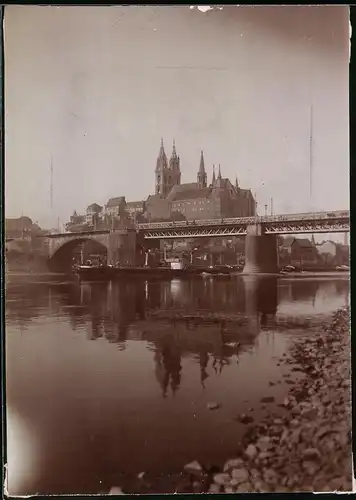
{"points": [[111, 273]]}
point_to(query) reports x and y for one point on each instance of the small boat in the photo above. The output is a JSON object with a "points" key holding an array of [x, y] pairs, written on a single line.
{"points": [[343, 268]]}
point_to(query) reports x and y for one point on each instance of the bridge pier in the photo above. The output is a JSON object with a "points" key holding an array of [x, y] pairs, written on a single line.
{"points": [[261, 254], [122, 247]]}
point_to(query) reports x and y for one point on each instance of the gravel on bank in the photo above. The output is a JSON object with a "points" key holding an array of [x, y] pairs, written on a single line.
{"points": [[308, 448]]}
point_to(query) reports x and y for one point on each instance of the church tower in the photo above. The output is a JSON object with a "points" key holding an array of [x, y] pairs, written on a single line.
{"points": [[219, 182], [214, 178], [237, 187], [160, 172], [174, 167], [201, 177], [167, 174]]}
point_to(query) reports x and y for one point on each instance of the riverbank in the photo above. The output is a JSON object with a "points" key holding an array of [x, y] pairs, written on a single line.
{"points": [[305, 447], [24, 263]]}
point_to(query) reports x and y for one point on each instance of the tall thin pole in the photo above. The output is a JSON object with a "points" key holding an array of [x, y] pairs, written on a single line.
{"points": [[311, 155], [51, 182], [271, 206], [51, 188]]}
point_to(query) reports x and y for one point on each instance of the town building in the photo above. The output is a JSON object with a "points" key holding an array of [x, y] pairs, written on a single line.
{"points": [[21, 227], [333, 253], [23, 235], [327, 251], [77, 222], [115, 206], [303, 251], [195, 200], [93, 212], [135, 208]]}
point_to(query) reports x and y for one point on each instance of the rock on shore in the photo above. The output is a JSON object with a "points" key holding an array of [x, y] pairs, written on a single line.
{"points": [[307, 449], [310, 448]]}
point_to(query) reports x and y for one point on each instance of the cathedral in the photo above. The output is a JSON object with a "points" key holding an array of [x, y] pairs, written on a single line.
{"points": [[195, 200]]}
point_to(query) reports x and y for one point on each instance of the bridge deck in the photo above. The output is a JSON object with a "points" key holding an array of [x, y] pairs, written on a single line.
{"points": [[316, 222]]}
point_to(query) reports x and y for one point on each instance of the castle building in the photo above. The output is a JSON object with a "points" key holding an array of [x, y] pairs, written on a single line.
{"points": [[172, 199], [195, 200]]}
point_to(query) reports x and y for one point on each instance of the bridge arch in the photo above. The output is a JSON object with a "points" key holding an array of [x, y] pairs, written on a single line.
{"points": [[62, 250]]}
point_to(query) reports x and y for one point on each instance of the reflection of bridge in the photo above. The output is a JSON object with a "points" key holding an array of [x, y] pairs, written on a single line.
{"points": [[235, 311], [260, 248]]}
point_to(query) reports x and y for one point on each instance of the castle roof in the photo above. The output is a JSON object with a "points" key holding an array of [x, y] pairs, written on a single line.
{"points": [[188, 191], [245, 192]]}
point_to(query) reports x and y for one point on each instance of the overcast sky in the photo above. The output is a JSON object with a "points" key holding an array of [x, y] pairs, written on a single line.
{"points": [[97, 87]]}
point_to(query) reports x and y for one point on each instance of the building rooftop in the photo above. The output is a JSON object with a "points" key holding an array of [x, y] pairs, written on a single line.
{"points": [[115, 202], [303, 242], [188, 191], [94, 207], [18, 223], [287, 242], [133, 204]]}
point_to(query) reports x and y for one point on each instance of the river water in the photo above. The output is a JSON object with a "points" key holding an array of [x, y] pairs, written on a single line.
{"points": [[107, 380]]}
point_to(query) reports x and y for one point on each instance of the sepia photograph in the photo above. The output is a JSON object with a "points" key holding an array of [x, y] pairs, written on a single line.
{"points": [[177, 255]]}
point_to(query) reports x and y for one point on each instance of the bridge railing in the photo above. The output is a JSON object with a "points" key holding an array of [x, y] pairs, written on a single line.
{"points": [[244, 221], [232, 221]]}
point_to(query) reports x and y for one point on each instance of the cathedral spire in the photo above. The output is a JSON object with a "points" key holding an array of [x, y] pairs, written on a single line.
{"points": [[202, 166], [174, 161], [201, 177], [162, 162], [219, 174], [214, 179], [174, 152]]}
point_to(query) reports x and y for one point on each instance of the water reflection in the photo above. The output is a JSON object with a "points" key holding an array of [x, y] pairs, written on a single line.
{"points": [[119, 312], [101, 369]]}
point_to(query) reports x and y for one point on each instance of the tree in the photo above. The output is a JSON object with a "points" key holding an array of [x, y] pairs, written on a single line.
{"points": [[177, 216]]}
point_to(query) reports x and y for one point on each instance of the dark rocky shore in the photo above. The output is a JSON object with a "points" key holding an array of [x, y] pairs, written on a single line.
{"points": [[306, 448]]}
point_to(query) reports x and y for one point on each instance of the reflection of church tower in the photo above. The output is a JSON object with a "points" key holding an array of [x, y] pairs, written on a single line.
{"points": [[167, 174], [168, 367], [94, 333], [203, 361], [202, 177], [160, 372]]}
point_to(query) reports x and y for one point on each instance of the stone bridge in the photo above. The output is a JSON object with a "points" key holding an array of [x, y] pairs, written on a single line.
{"points": [[261, 256], [120, 244]]}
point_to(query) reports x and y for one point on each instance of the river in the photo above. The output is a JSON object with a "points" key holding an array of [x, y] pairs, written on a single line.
{"points": [[107, 380]]}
